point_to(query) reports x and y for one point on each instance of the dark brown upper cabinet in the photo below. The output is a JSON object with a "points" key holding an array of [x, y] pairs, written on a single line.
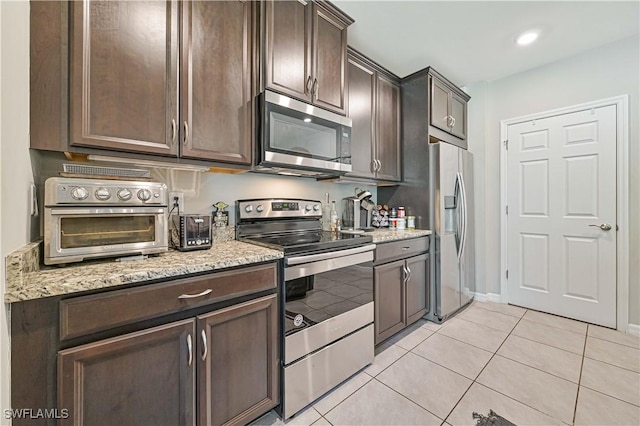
{"points": [[306, 51], [216, 80], [124, 69], [448, 110], [125, 93], [374, 107]]}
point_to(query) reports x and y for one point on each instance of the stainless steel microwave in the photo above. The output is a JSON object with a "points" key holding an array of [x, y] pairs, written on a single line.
{"points": [[300, 138]]}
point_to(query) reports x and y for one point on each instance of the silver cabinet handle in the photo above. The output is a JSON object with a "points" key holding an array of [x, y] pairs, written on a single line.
{"points": [[453, 121], [405, 274], [173, 131], [308, 85], [314, 89], [378, 165], [186, 133], [408, 274], [603, 226], [190, 348], [204, 344], [405, 248], [191, 296]]}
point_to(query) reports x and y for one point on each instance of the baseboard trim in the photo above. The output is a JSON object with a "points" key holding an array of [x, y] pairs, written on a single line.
{"points": [[487, 297], [633, 329]]}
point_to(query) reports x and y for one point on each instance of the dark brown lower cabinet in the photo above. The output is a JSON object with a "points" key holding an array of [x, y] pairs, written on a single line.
{"points": [[238, 362], [389, 291], [142, 378], [400, 294], [150, 377]]}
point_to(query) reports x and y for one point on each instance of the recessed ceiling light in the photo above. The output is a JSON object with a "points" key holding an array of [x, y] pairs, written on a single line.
{"points": [[527, 38]]}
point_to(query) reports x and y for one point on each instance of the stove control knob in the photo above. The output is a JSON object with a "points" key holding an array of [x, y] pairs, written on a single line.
{"points": [[79, 193], [124, 194], [103, 194], [316, 207], [260, 208], [248, 208], [308, 207], [144, 195]]}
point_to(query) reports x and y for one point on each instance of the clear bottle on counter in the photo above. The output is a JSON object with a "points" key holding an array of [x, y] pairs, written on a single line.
{"points": [[393, 222], [401, 225], [326, 213], [411, 222], [400, 212], [334, 217]]}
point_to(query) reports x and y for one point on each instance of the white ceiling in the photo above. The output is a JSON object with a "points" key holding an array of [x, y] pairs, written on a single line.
{"points": [[471, 41]]}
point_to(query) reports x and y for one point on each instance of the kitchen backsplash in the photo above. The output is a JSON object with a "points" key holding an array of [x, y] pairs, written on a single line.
{"points": [[229, 188], [202, 190]]}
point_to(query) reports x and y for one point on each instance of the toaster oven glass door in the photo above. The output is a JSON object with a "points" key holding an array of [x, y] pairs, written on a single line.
{"points": [[106, 230], [92, 232]]}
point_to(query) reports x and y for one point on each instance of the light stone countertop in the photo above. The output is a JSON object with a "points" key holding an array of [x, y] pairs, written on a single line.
{"points": [[386, 235], [26, 281]]}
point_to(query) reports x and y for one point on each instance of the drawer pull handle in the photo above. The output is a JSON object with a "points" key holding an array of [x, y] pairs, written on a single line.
{"points": [[191, 296], [406, 248], [204, 345], [190, 347]]}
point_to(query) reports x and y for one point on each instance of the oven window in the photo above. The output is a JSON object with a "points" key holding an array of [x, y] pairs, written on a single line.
{"points": [[326, 295], [76, 232]]}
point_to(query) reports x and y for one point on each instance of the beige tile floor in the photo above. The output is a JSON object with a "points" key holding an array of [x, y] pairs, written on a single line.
{"points": [[532, 368]]}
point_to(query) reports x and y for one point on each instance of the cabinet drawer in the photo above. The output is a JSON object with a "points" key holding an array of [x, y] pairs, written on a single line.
{"points": [[401, 249], [89, 314]]}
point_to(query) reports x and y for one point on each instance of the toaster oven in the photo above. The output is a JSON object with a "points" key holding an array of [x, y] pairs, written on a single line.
{"points": [[93, 218]]}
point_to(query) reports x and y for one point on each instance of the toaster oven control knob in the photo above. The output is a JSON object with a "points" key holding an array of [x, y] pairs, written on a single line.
{"points": [[144, 195], [79, 193], [248, 208], [124, 194], [308, 207], [103, 194], [316, 208], [260, 208]]}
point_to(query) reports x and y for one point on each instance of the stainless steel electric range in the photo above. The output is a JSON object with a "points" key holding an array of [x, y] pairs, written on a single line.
{"points": [[328, 295]]}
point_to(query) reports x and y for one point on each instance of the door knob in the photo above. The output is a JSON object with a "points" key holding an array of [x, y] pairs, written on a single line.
{"points": [[603, 226]]}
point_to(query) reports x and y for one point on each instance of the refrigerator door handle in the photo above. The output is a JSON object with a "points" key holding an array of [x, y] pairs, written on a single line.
{"points": [[459, 214], [464, 215]]}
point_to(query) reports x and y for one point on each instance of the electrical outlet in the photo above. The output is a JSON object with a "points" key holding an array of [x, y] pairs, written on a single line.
{"points": [[180, 201]]}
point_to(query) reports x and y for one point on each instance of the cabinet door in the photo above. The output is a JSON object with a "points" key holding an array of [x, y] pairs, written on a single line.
{"points": [[239, 362], [459, 114], [216, 74], [329, 60], [362, 113], [288, 48], [388, 132], [440, 105], [417, 287], [389, 296], [124, 75], [142, 378]]}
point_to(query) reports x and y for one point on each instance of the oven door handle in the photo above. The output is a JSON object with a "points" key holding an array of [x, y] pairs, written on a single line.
{"points": [[108, 211], [313, 268], [330, 255]]}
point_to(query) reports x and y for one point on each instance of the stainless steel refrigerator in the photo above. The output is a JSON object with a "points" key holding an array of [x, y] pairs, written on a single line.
{"points": [[451, 218]]}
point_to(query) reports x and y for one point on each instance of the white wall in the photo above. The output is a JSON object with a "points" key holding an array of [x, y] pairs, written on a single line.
{"points": [[229, 188], [607, 71], [15, 165]]}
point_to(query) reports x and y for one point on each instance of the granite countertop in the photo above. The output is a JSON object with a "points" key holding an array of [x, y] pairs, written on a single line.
{"points": [[386, 235], [26, 279]]}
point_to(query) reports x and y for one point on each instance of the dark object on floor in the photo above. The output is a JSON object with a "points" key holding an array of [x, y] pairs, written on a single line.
{"points": [[492, 419]]}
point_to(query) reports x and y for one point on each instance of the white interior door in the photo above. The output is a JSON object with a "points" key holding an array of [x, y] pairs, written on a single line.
{"points": [[561, 222]]}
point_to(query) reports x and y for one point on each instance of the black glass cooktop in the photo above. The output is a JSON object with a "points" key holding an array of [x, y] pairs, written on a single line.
{"points": [[309, 241]]}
